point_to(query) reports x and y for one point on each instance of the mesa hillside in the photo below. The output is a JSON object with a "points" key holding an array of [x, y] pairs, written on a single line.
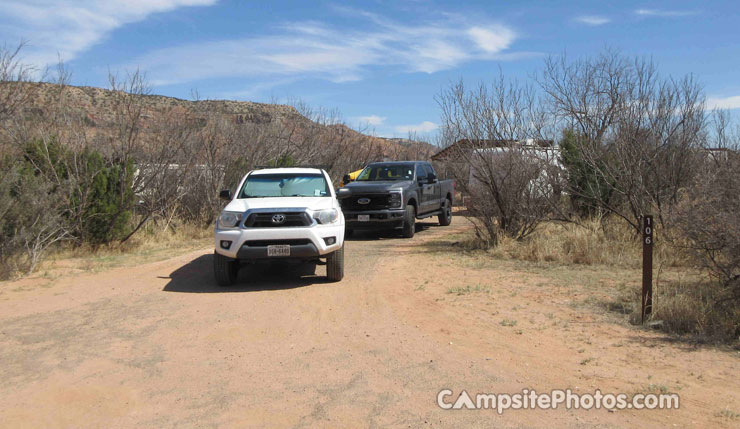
{"points": [[96, 108]]}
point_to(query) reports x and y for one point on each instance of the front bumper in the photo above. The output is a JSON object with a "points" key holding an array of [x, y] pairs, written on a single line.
{"points": [[378, 219], [305, 242], [297, 251]]}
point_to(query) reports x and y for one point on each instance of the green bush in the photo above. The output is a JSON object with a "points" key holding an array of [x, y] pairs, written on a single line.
{"points": [[284, 160], [108, 213], [30, 216], [97, 195], [588, 190]]}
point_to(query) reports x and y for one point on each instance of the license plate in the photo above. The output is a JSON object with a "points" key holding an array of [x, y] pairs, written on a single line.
{"points": [[278, 250], [363, 218]]}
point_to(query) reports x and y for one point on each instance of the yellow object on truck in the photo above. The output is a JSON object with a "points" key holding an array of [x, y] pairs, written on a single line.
{"points": [[352, 177]]}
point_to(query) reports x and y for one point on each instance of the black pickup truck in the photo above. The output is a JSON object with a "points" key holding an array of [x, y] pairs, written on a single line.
{"points": [[394, 194]]}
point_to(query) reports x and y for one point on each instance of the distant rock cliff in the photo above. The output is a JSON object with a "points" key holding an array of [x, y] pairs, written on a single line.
{"points": [[97, 107]]}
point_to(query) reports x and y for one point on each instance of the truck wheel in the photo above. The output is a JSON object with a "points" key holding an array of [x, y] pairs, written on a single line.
{"points": [[335, 265], [409, 222], [446, 217], [225, 269]]}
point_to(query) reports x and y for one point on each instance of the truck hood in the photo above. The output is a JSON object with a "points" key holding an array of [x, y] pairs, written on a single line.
{"points": [[378, 186], [311, 203]]}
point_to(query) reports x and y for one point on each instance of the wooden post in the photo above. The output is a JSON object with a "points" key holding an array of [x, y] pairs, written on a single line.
{"points": [[647, 266]]}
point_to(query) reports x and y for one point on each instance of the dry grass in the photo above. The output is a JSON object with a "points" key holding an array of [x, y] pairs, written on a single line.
{"points": [[590, 243], [469, 289], [151, 244], [728, 414], [693, 307], [607, 260], [508, 323]]}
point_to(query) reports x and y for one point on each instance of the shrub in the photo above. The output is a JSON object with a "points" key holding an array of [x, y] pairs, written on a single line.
{"points": [[588, 190], [511, 177], [690, 307], [707, 220], [509, 195], [108, 214], [31, 217], [96, 197], [284, 160]]}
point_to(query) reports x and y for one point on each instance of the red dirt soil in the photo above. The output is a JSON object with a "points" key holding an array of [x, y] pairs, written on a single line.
{"points": [[161, 345]]}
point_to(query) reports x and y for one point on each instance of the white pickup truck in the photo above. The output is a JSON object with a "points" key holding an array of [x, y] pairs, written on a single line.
{"points": [[278, 214]]}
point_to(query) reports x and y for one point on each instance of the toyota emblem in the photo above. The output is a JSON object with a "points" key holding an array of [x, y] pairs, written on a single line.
{"points": [[278, 218], [363, 200]]}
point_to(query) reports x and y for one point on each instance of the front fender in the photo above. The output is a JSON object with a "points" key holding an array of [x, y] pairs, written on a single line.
{"points": [[410, 195]]}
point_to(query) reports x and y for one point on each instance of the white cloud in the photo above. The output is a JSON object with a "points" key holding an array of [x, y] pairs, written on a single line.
{"points": [[723, 102], [664, 13], [494, 39], [592, 20], [373, 120], [315, 50], [424, 127], [70, 27]]}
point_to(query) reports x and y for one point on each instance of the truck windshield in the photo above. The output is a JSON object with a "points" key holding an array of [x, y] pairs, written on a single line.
{"points": [[384, 172], [285, 185]]}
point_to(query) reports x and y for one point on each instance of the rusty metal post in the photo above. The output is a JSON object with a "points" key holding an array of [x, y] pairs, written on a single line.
{"points": [[647, 266]]}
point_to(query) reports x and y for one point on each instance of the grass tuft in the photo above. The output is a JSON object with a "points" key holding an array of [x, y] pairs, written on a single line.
{"points": [[469, 289], [728, 414], [508, 322]]}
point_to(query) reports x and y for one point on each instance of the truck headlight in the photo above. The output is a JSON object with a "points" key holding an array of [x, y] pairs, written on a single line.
{"points": [[395, 200], [326, 216], [229, 220]]}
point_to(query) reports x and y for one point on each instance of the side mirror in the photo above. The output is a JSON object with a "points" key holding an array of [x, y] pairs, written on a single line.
{"points": [[343, 193], [431, 178], [346, 179], [226, 195]]}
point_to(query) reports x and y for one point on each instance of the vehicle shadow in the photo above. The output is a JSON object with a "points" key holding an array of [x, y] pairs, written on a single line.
{"points": [[386, 234], [197, 277]]}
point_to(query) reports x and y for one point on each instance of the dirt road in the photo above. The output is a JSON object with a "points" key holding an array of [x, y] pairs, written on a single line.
{"points": [[161, 345]]}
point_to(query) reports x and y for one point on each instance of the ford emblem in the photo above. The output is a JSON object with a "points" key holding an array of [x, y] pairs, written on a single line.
{"points": [[363, 200], [278, 218]]}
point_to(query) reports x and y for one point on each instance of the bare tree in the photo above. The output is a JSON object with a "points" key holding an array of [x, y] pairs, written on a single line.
{"points": [[637, 134], [499, 130], [707, 220], [163, 167], [14, 79], [31, 206]]}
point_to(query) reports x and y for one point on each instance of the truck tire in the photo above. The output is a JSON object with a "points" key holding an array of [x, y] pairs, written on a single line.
{"points": [[445, 218], [225, 269], [409, 222], [335, 265]]}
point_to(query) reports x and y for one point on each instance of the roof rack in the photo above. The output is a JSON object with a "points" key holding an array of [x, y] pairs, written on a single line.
{"points": [[318, 166]]}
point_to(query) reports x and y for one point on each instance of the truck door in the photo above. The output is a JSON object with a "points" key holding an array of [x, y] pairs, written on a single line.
{"points": [[424, 189], [435, 190]]}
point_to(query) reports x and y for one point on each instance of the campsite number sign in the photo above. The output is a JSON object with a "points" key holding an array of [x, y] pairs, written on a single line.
{"points": [[647, 230], [647, 265]]}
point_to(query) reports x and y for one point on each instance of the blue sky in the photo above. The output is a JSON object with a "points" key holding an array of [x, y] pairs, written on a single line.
{"points": [[380, 63]]}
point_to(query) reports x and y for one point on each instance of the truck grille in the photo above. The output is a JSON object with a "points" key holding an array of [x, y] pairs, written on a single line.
{"points": [[376, 202], [265, 220]]}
